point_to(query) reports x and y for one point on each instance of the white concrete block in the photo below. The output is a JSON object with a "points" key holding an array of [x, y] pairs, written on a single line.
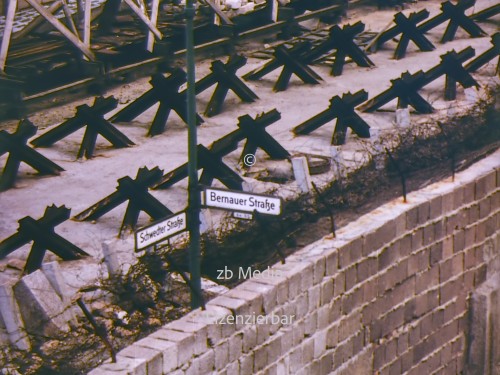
{"points": [[111, 258], [282, 368], [168, 350], [52, 271], [11, 317], [403, 117], [268, 293], [152, 357], [221, 355], [235, 347], [184, 342], [319, 343], [197, 330], [301, 172], [245, 363], [42, 310], [207, 362]]}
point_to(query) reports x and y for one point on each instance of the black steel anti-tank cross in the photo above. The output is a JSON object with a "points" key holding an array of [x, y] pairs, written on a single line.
{"points": [[15, 145], [486, 56], [456, 73], [93, 119], [451, 67], [255, 133], [342, 109], [487, 13], [44, 238], [455, 14], [165, 91], [213, 168], [210, 160], [224, 76], [135, 191], [405, 89], [341, 40], [407, 27], [293, 62]]}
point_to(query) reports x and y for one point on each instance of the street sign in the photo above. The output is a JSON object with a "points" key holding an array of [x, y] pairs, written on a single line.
{"points": [[242, 215], [160, 231], [242, 202]]}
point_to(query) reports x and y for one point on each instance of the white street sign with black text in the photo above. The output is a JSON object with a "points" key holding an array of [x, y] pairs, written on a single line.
{"points": [[243, 202], [160, 231]]}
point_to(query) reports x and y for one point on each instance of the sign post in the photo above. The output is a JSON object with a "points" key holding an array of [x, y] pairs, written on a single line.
{"points": [[160, 230], [193, 192]]}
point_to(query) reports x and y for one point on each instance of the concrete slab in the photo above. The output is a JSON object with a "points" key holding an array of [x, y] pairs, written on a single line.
{"points": [[42, 310], [11, 317], [52, 271]]}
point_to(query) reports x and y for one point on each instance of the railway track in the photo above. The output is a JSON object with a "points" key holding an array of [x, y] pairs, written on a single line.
{"points": [[43, 65]]}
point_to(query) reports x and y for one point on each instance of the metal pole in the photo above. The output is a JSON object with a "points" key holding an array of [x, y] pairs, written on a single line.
{"points": [[193, 191], [9, 25]]}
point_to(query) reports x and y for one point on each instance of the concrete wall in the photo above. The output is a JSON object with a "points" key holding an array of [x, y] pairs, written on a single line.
{"points": [[389, 295]]}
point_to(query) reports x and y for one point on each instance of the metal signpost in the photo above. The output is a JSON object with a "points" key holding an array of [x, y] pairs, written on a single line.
{"points": [[193, 192], [160, 231]]}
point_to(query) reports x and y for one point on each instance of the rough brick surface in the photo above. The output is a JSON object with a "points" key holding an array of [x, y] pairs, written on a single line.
{"points": [[389, 294], [167, 349], [152, 357]]}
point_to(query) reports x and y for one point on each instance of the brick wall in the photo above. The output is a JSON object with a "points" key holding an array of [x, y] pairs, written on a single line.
{"points": [[389, 295]]}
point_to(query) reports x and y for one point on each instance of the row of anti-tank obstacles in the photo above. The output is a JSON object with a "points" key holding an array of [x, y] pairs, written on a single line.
{"points": [[166, 91]]}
